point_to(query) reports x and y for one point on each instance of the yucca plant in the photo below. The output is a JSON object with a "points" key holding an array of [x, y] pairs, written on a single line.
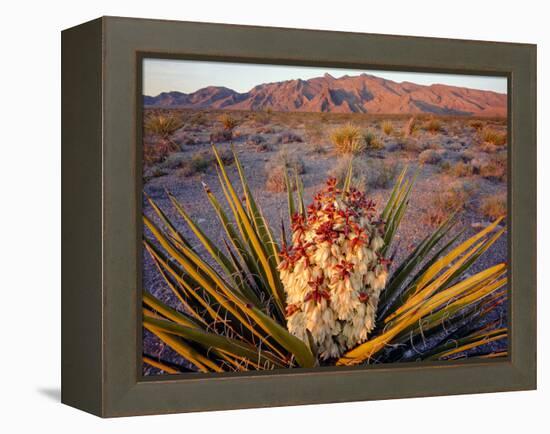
{"points": [[327, 295], [348, 139]]}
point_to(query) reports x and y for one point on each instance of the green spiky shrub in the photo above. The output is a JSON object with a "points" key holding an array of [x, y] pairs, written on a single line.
{"points": [[231, 308]]}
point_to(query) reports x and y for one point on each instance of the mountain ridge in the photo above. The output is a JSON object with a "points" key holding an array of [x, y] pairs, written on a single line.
{"points": [[363, 93]]}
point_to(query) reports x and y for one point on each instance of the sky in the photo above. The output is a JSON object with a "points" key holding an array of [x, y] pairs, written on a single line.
{"points": [[164, 75]]}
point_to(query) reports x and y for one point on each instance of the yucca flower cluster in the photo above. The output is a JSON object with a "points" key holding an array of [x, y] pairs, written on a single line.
{"points": [[333, 272]]}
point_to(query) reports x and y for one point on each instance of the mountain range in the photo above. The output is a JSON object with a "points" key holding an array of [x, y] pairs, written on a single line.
{"points": [[364, 93]]}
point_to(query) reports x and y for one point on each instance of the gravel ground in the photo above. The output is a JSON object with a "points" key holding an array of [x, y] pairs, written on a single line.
{"points": [[451, 143]]}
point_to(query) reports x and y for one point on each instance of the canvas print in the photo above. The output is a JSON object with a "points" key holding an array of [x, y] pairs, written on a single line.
{"points": [[306, 217]]}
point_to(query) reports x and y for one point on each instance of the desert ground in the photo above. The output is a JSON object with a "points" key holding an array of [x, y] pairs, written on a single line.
{"points": [[461, 164]]}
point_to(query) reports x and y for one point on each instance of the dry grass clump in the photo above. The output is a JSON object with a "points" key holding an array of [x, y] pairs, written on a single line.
{"points": [[433, 125], [454, 198], [387, 127], [429, 156], [477, 124], [461, 169], [371, 141], [348, 139], [228, 122], [494, 169], [494, 207], [488, 135], [410, 127]]}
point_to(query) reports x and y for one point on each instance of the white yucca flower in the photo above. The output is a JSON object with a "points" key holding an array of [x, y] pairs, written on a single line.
{"points": [[332, 272]]}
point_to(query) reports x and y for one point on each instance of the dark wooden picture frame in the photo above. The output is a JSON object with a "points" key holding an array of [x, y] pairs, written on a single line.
{"points": [[101, 208]]}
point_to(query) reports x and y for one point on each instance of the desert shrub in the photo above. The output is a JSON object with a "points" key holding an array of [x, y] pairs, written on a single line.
{"points": [[359, 178], [371, 141], [289, 137], [314, 132], [455, 198], [318, 148], [162, 125], [433, 125], [429, 156], [347, 139], [221, 136], [493, 137], [477, 124], [198, 163], [410, 127], [461, 169], [387, 127], [228, 122], [411, 145], [287, 159], [275, 181], [445, 166], [284, 162], [382, 174], [201, 161], [494, 169], [198, 119], [155, 151], [494, 207], [467, 156]]}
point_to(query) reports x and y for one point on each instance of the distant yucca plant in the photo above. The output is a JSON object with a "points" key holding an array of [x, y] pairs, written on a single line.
{"points": [[348, 139], [387, 127], [234, 305], [410, 127], [162, 125]]}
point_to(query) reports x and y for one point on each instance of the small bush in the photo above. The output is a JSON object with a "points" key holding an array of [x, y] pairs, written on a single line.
{"points": [[493, 137], [288, 160], [429, 156], [387, 127], [433, 125], [314, 132], [348, 140], [494, 207], [359, 174], [461, 169], [467, 156], [411, 145], [201, 161], [453, 199], [477, 124], [155, 152], [289, 137], [258, 143], [371, 141], [494, 169], [229, 123], [382, 174], [221, 136], [445, 166]]}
